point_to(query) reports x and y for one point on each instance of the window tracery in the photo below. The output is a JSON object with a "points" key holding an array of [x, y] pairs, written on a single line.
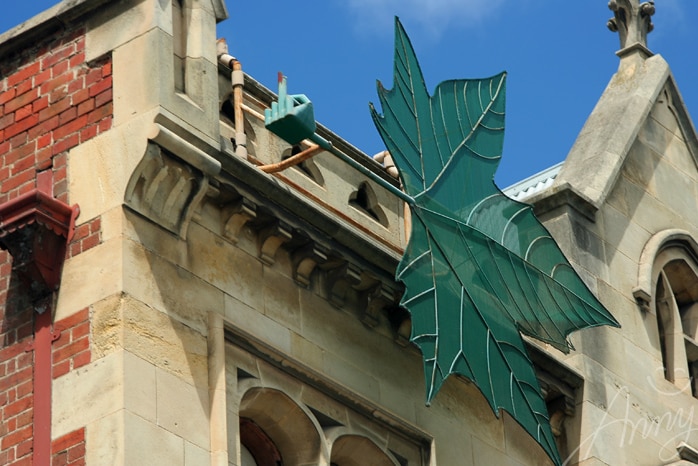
{"points": [[668, 288], [284, 420], [676, 305]]}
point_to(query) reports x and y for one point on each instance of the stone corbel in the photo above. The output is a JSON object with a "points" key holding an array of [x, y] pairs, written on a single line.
{"points": [[171, 181], [305, 260], [404, 331], [377, 298], [340, 280], [559, 409], [271, 237], [238, 216]]}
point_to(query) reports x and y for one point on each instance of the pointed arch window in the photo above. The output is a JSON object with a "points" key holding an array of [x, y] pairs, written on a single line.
{"points": [[676, 305], [668, 287]]}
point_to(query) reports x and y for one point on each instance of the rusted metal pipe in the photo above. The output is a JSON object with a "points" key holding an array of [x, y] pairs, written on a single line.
{"points": [[237, 79], [42, 270], [291, 161], [42, 387]]}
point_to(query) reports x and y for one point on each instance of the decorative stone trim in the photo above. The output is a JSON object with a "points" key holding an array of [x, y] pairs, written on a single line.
{"points": [[238, 215], [271, 237], [644, 289], [165, 190]]}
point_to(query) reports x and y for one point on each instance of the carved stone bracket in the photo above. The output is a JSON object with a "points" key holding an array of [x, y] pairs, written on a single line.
{"points": [[404, 331], [166, 190], [305, 260], [171, 181], [271, 237], [377, 298], [238, 215], [340, 280], [314, 257], [633, 21]]}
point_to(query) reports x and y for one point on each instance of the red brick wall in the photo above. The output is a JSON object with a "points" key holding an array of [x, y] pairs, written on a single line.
{"points": [[16, 400], [72, 348], [69, 450], [50, 101]]}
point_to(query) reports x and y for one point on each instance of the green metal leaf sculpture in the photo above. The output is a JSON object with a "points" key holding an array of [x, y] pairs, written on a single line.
{"points": [[479, 267]]}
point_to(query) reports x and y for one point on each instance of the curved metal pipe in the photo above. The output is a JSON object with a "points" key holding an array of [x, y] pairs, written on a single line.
{"points": [[291, 161]]}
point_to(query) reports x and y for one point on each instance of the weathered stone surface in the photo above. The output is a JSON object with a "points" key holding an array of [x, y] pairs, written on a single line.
{"points": [[165, 342], [106, 439], [98, 385], [169, 288], [146, 443], [96, 183], [140, 388], [182, 409], [107, 326], [90, 277]]}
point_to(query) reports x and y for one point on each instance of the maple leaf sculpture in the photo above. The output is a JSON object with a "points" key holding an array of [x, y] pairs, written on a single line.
{"points": [[479, 268]]}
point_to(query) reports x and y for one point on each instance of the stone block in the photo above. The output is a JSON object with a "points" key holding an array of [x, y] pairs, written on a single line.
{"points": [[183, 409], [169, 288], [640, 165], [139, 387], [664, 114], [107, 327], [459, 414], [271, 377], [626, 196], [145, 57], [251, 321], [521, 448], [281, 299], [99, 387], [353, 377], [104, 440], [226, 267], [112, 224], [624, 271], [678, 154], [655, 134], [598, 387], [155, 239], [146, 444], [484, 453], [98, 179], [165, 342], [640, 366], [621, 234], [195, 455], [645, 210], [311, 354], [600, 435], [90, 277], [676, 189], [115, 26]]}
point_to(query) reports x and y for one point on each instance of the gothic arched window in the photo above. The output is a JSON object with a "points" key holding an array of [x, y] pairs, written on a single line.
{"points": [[668, 286]]}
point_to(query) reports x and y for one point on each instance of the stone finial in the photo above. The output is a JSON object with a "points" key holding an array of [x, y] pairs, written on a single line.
{"points": [[633, 21]]}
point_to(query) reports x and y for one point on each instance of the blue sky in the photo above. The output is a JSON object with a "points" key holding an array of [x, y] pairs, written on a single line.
{"points": [[559, 56]]}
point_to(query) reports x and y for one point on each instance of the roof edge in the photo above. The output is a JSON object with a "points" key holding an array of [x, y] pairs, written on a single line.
{"points": [[58, 17], [597, 156]]}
